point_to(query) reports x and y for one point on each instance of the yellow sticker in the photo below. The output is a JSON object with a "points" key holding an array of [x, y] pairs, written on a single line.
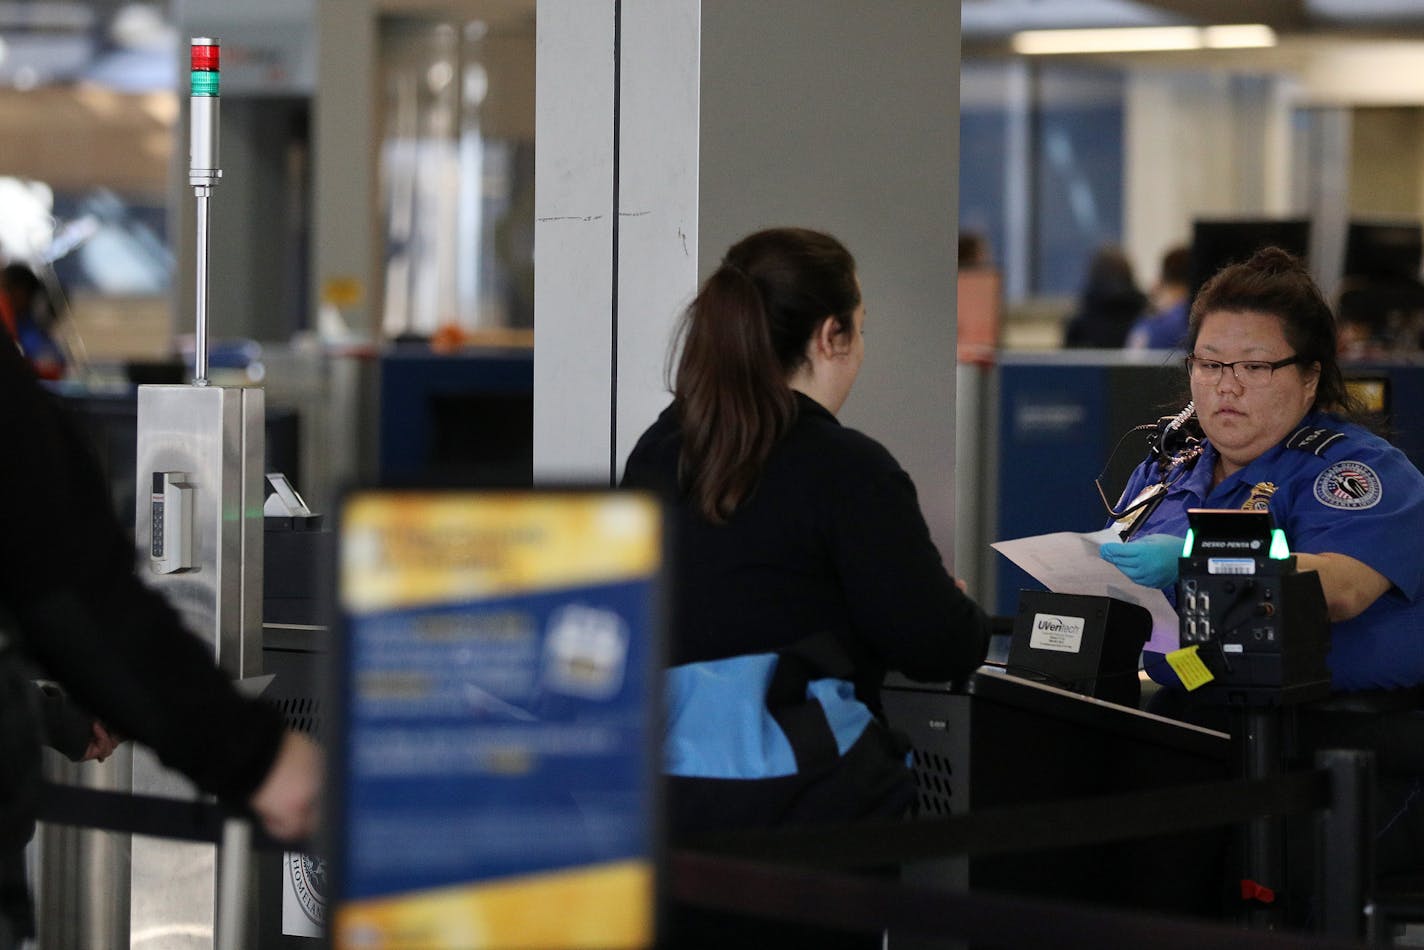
{"points": [[1189, 667]]}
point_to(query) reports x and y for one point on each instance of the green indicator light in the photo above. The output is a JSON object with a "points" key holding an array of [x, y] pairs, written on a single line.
{"points": [[204, 83], [1280, 551], [1187, 544]]}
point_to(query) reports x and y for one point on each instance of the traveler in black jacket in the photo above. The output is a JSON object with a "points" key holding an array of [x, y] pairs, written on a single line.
{"points": [[72, 605], [803, 567]]}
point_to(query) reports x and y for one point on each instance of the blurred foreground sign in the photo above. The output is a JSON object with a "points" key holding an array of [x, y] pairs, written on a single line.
{"points": [[494, 782]]}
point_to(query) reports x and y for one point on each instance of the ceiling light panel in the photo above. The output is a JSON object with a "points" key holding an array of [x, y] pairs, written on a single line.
{"points": [[1141, 39]]}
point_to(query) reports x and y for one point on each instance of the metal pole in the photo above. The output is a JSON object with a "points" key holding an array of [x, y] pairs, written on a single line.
{"points": [[1258, 729], [232, 884], [200, 336], [203, 173]]}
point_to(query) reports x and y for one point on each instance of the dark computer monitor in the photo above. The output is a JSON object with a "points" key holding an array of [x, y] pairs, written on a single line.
{"points": [[1215, 244], [1384, 251], [1381, 298]]}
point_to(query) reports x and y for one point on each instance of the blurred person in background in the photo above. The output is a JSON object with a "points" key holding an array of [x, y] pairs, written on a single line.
{"points": [[1109, 303], [974, 251], [27, 314], [1166, 326]]}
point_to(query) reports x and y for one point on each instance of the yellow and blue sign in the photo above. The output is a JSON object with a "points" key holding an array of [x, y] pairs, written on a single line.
{"points": [[495, 778]]}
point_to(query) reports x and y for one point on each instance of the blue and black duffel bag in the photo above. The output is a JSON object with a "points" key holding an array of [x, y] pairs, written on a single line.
{"points": [[772, 739]]}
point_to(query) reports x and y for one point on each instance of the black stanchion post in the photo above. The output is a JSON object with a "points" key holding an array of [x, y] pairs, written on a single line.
{"points": [[1345, 841], [1257, 729]]}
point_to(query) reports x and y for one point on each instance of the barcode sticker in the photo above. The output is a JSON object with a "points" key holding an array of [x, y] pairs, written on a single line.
{"points": [[1231, 565]]}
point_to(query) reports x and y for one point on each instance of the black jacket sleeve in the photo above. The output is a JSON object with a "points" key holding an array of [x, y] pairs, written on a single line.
{"points": [[67, 577], [67, 728], [903, 602]]}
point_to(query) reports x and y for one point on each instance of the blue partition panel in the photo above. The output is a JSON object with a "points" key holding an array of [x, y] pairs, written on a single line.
{"points": [[1052, 444], [466, 417]]}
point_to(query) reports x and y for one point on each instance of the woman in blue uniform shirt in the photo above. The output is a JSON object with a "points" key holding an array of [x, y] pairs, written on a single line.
{"points": [[1276, 416], [1273, 407]]}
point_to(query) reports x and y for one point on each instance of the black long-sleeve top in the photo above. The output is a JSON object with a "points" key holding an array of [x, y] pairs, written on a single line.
{"points": [[831, 540], [78, 609]]}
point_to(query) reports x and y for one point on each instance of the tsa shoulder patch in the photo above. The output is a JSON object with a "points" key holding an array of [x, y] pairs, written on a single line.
{"points": [[1348, 485], [1313, 439]]}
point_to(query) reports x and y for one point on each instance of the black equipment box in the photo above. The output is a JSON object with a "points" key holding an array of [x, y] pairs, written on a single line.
{"points": [[1258, 624], [1089, 645]]}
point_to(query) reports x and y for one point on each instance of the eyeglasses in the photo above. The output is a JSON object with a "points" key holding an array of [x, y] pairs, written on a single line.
{"points": [[1247, 372]]}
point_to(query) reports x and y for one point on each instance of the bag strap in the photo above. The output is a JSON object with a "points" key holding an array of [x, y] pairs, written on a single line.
{"points": [[803, 722]]}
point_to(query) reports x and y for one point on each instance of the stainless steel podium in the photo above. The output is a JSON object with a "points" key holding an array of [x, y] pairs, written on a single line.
{"points": [[209, 440]]}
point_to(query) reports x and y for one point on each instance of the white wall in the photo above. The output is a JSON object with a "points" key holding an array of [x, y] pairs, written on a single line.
{"points": [[616, 127], [844, 115], [658, 200], [1200, 145], [345, 228], [573, 240], [1366, 72], [836, 114]]}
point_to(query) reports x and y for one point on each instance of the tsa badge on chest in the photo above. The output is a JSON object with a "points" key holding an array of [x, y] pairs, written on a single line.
{"points": [[1260, 497]]}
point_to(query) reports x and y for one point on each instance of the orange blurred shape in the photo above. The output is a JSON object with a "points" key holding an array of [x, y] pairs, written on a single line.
{"points": [[448, 338]]}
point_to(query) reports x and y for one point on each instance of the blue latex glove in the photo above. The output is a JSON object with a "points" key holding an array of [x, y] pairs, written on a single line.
{"points": [[1150, 561]]}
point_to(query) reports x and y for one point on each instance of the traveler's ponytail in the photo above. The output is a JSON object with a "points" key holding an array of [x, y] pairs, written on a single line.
{"points": [[742, 337]]}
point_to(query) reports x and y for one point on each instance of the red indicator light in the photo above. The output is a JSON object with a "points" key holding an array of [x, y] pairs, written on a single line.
{"points": [[205, 58]]}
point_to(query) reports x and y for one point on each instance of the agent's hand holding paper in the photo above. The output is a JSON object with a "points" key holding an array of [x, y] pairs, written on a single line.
{"points": [[1070, 563], [1150, 561]]}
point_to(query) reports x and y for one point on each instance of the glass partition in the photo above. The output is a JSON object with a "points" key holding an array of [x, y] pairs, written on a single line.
{"points": [[88, 104], [457, 176]]}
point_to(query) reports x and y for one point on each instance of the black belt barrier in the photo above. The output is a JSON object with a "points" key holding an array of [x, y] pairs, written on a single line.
{"points": [[718, 871], [183, 819], [861, 904], [1035, 827]]}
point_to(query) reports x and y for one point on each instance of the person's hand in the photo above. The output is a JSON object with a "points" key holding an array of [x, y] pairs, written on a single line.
{"points": [[289, 799], [1150, 561], [102, 743]]}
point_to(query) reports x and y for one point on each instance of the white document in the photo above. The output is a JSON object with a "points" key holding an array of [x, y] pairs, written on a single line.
{"points": [[1068, 563]]}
